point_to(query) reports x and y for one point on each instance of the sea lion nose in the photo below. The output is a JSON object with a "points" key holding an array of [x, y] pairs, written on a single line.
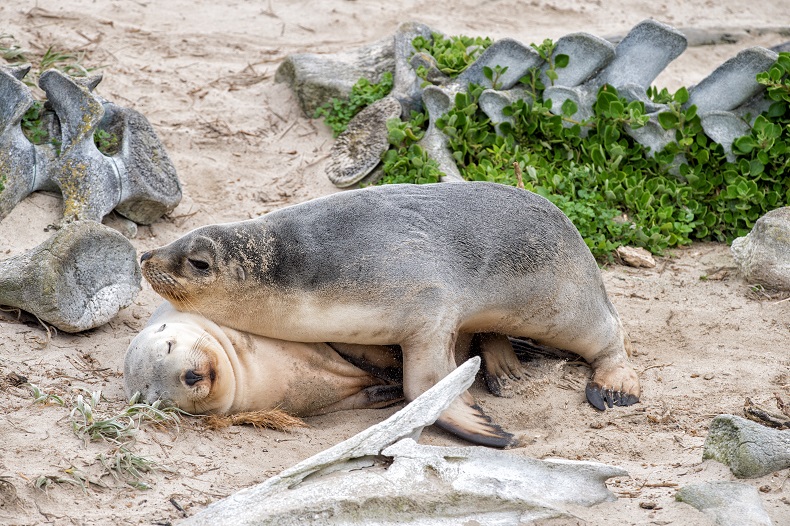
{"points": [[191, 378], [146, 256]]}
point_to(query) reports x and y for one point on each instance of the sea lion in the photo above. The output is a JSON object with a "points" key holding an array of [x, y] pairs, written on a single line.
{"points": [[201, 367], [413, 265]]}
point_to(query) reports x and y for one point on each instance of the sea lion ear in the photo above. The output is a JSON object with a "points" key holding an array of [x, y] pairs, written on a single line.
{"points": [[240, 273]]}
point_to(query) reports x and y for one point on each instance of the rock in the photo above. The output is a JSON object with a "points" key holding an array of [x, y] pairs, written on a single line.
{"points": [[749, 449], [763, 255], [727, 503], [426, 485], [636, 257], [76, 280]]}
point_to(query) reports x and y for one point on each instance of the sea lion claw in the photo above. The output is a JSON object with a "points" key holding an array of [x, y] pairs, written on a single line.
{"points": [[600, 397]]}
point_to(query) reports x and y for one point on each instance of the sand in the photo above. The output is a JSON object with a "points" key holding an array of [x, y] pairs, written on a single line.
{"points": [[203, 74]]}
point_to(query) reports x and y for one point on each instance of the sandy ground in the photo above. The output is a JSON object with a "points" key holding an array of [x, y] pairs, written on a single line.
{"points": [[202, 72]]}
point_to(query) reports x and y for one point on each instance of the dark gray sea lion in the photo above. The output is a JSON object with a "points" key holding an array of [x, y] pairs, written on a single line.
{"points": [[412, 265]]}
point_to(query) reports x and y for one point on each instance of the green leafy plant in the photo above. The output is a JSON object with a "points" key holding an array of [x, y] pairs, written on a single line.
{"points": [[41, 397], [406, 161], [452, 54], [107, 143], [338, 112], [614, 190]]}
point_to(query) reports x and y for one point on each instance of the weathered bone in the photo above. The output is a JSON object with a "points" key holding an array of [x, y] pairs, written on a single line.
{"points": [[317, 79], [407, 87], [728, 100], [424, 485], [748, 448], [76, 280], [22, 166], [730, 94], [438, 102], [139, 181], [644, 53]]}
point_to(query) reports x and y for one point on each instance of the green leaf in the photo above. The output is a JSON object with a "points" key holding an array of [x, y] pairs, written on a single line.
{"points": [[681, 96], [561, 60], [569, 108], [667, 120]]}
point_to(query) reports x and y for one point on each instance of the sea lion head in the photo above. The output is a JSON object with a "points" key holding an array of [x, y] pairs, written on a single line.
{"points": [[181, 364], [186, 271]]}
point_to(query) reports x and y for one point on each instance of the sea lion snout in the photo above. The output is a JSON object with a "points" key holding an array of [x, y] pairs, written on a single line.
{"points": [[146, 256]]}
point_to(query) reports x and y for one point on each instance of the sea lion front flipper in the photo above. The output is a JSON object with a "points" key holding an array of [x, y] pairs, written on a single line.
{"points": [[465, 419], [425, 362]]}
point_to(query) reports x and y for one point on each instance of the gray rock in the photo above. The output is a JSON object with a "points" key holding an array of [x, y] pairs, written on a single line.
{"points": [[424, 485], [317, 79], [763, 255], [748, 448], [727, 503], [76, 280]]}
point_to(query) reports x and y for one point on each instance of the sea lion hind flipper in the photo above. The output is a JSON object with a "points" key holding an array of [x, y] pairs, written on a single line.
{"points": [[614, 382], [601, 397], [467, 420]]}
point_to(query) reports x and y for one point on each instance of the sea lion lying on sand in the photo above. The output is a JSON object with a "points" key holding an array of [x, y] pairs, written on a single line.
{"points": [[412, 265]]}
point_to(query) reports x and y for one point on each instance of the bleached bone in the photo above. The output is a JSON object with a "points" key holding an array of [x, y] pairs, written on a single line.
{"points": [[425, 485]]}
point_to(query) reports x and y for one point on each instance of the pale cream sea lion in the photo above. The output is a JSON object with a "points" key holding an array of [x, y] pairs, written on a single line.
{"points": [[412, 265], [201, 367]]}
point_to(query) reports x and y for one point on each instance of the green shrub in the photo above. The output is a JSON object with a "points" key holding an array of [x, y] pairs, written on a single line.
{"points": [[613, 189]]}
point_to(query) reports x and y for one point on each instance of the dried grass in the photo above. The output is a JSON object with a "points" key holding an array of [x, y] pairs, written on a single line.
{"points": [[269, 419]]}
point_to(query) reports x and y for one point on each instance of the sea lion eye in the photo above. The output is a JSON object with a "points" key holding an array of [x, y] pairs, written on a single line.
{"points": [[191, 378], [199, 264]]}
